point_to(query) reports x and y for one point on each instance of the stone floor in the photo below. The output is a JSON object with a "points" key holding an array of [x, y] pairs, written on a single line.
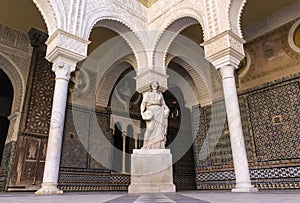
{"points": [[183, 196]]}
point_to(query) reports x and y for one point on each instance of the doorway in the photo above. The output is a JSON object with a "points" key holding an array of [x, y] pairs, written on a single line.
{"points": [[6, 99]]}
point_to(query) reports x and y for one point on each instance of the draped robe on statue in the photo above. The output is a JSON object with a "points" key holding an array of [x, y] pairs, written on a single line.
{"points": [[154, 105]]}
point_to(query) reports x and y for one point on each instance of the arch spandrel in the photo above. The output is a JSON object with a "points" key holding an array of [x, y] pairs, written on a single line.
{"points": [[53, 12], [235, 14]]}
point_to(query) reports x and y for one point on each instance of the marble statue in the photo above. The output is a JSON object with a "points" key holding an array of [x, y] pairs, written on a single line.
{"points": [[155, 112]]}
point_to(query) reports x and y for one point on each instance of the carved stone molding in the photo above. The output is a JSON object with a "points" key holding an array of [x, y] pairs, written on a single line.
{"points": [[224, 49]]}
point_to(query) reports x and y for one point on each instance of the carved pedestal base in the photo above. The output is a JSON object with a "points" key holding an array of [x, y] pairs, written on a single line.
{"points": [[48, 189], [151, 171]]}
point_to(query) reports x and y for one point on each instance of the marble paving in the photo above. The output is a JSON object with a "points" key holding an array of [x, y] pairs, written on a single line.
{"points": [[279, 196]]}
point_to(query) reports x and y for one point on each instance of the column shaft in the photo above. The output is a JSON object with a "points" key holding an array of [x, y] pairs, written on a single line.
{"points": [[240, 161], [124, 153], [51, 170]]}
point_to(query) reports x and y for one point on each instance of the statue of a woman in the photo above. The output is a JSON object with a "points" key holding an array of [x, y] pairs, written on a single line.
{"points": [[155, 112]]}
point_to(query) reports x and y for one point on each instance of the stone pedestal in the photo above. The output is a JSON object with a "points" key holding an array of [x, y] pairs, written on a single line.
{"points": [[151, 171]]}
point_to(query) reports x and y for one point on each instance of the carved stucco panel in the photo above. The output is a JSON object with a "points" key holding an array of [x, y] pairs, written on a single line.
{"points": [[65, 43], [223, 42]]}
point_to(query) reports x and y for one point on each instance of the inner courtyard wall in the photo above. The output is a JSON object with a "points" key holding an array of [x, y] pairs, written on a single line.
{"points": [[269, 104]]}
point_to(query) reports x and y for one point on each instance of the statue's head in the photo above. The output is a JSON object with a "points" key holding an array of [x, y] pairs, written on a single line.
{"points": [[154, 85]]}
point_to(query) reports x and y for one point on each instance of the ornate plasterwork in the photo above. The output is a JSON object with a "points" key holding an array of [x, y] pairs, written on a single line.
{"points": [[225, 49], [212, 15], [74, 21], [235, 13], [15, 56], [133, 7], [64, 43], [53, 14]]}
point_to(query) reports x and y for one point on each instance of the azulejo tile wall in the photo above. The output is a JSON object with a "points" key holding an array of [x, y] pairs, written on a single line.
{"points": [[275, 118], [79, 171], [270, 118]]}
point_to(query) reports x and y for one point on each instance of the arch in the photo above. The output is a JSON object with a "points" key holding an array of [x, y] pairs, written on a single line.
{"points": [[235, 13], [111, 76], [126, 29], [53, 13], [197, 80], [6, 99], [168, 36], [173, 24], [174, 17], [17, 81]]}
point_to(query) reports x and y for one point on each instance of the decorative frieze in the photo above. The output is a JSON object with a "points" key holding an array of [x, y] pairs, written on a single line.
{"points": [[14, 38], [224, 49], [66, 44]]}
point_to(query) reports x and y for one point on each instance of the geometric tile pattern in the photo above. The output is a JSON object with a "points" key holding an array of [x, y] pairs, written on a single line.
{"points": [[76, 181], [270, 118], [266, 173], [275, 118], [74, 154], [215, 176], [40, 104], [272, 173]]}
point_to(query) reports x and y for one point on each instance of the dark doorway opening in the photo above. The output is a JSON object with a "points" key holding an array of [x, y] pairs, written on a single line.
{"points": [[6, 99]]}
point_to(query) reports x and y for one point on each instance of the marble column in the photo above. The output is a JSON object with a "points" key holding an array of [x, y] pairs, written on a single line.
{"points": [[124, 134], [136, 137], [51, 171], [240, 161]]}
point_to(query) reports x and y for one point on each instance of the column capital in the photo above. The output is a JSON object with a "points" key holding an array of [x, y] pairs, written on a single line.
{"points": [[224, 49], [124, 134], [144, 79], [63, 69], [62, 43]]}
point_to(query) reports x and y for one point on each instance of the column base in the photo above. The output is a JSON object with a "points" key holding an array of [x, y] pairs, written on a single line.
{"points": [[49, 189], [245, 189]]}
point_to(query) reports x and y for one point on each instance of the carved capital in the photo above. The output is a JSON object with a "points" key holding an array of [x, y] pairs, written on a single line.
{"points": [[124, 134], [224, 49], [66, 44], [144, 79], [63, 70]]}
